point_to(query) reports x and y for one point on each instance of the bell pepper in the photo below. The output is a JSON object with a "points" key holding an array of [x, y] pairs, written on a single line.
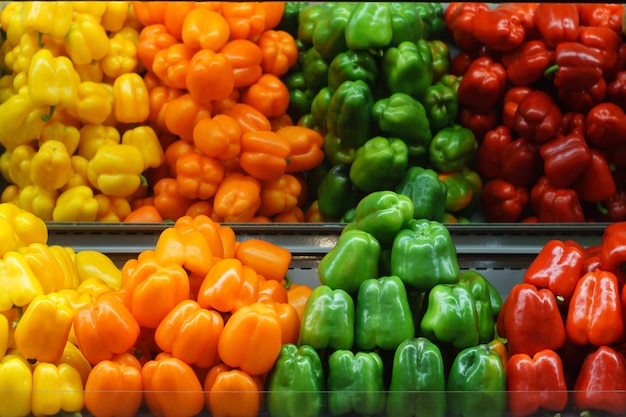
{"points": [[21, 121], [485, 78], [426, 191], [218, 137], [171, 64], [228, 286], [499, 29], [209, 76], [581, 101], [171, 387], [76, 204], [577, 66], [369, 27], [328, 319], [44, 265], [20, 228], [537, 117], [328, 35], [459, 18], [349, 113], [351, 261], [264, 154], [306, 147], [477, 377], [527, 63], [487, 303], [552, 204], [525, 332], [19, 280], [417, 380], [404, 117], [488, 156], [93, 105], [452, 149], [16, 383], [205, 29], [114, 387], [269, 260], [56, 388], [441, 58], [237, 198], [255, 349], [601, 15], [350, 65], [383, 214], [92, 137], [131, 102], [315, 69], [51, 166], [296, 382], [198, 176], [379, 163], [565, 158], [604, 126], [429, 244], [355, 383], [116, 169], [336, 193], [557, 24], [502, 201], [229, 391], [604, 39], [37, 200], [521, 162], [53, 19], [407, 68], [535, 382], [86, 40], [308, 19], [145, 139], [441, 105]]}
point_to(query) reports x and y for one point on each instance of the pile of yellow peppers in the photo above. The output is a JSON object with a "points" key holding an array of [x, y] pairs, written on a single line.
{"points": [[42, 371], [71, 101]]}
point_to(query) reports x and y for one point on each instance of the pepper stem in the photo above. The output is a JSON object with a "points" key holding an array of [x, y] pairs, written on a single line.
{"points": [[549, 72], [603, 210], [46, 117], [40, 40], [287, 282]]}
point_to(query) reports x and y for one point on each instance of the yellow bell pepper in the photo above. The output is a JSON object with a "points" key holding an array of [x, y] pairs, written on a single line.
{"points": [[52, 81], [56, 389], [79, 173], [112, 209], [19, 58], [5, 327], [131, 102], [45, 266], [20, 161], [94, 287], [93, 137], [48, 17], [16, 386], [76, 204], [90, 72], [37, 200], [42, 332], [19, 283], [146, 140], [114, 18], [51, 166], [94, 103], [5, 163], [20, 121], [10, 194], [86, 40], [12, 22], [65, 257], [94, 264], [6, 87], [116, 169], [93, 8], [73, 299], [73, 357], [26, 227], [64, 133], [121, 57]]}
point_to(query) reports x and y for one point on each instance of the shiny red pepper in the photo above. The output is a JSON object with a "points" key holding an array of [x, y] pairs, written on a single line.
{"points": [[511, 101], [526, 63], [576, 66], [479, 122], [503, 202], [489, 155], [555, 205], [557, 22], [499, 28], [613, 253], [565, 158], [538, 117], [583, 100], [485, 78], [602, 14], [521, 162], [606, 126], [616, 89], [458, 17], [596, 183], [605, 40], [573, 122]]}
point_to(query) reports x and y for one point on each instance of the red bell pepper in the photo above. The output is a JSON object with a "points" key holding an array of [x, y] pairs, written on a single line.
{"points": [[557, 22], [613, 253], [605, 40], [583, 100], [565, 158], [499, 28], [576, 66], [511, 100], [526, 13], [558, 267], [573, 122], [461, 62], [596, 183], [601, 382], [527, 63], [616, 89], [535, 382], [489, 155], [606, 126], [530, 320], [595, 313], [555, 205], [538, 117], [521, 162], [614, 208], [459, 17], [602, 14], [485, 78], [479, 122], [503, 202]]}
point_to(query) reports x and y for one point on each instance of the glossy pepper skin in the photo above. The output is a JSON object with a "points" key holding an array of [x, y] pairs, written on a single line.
{"points": [[487, 303], [352, 260], [441, 105], [452, 149], [499, 28], [383, 214], [417, 380], [379, 163], [407, 23], [336, 193], [503, 201], [296, 382], [407, 68], [556, 23], [329, 32], [426, 191], [527, 62], [383, 316], [355, 382], [553, 204], [369, 26], [484, 78], [565, 158], [423, 255], [328, 319], [577, 66], [352, 65], [537, 117], [349, 112], [604, 123], [597, 182]]}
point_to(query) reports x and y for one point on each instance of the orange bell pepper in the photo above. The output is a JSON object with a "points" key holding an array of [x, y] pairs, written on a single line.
{"points": [[205, 29], [144, 214], [306, 147], [249, 118], [264, 154], [278, 196], [131, 103], [200, 208], [104, 328], [245, 58], [149, 12], [185, 245], [229, 286], [269, 260], [251, 339], [298, 295], [295, 215], [171, 387], [228, 239], [271, 291], [232, 392], [218, 137], [217, 236], [209, 76], [183, 113], [115, 387], [152, 39], [274, 11], [174, 151], [168, 200], [198, 175], [237, 198], [190, 333], [175, 13], [245, 19], [219, 106], [160, 97], [281, 121], [268, 94], [171, 64], [145, 281], [280, 52], [289, 322]]}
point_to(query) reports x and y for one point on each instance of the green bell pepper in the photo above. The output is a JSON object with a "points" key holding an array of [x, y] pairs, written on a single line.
{"points": [[329, 33], [418, 380], [482, 292], [379, 164], [495, 299], [350, 113], [355, 383], [296, 383], [452, 149], [423, 255], [401, 116], [308, 19], [291, 16], [328, 319], [476, 384], [349, 216], [300, 96], [427, 192], [384, 214], [352, 260], [319, 106], [442, 107], [451, 81], [408, 68], [464, 188], [369, 26], [336, 151], [383, 316], [433, 19], [406, 23], [314, 70], [352, 65], [441, 58], [336, 194], [451, 316]]}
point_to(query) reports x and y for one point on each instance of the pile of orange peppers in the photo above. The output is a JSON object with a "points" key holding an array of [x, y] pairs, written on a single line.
{"points": [[194, 324], [151, 111]]}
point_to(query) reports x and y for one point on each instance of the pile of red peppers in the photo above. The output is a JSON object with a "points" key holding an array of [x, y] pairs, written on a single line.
{"points": [[564, 326], [543, 89]]}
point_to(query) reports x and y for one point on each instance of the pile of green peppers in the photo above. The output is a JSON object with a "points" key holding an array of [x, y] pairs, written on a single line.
{"points": [[373, 78], [396, 328]]}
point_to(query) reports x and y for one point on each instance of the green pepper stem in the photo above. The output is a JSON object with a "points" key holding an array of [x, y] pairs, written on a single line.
{"points": [[603, 210], [46, 117], [549, 72]]}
